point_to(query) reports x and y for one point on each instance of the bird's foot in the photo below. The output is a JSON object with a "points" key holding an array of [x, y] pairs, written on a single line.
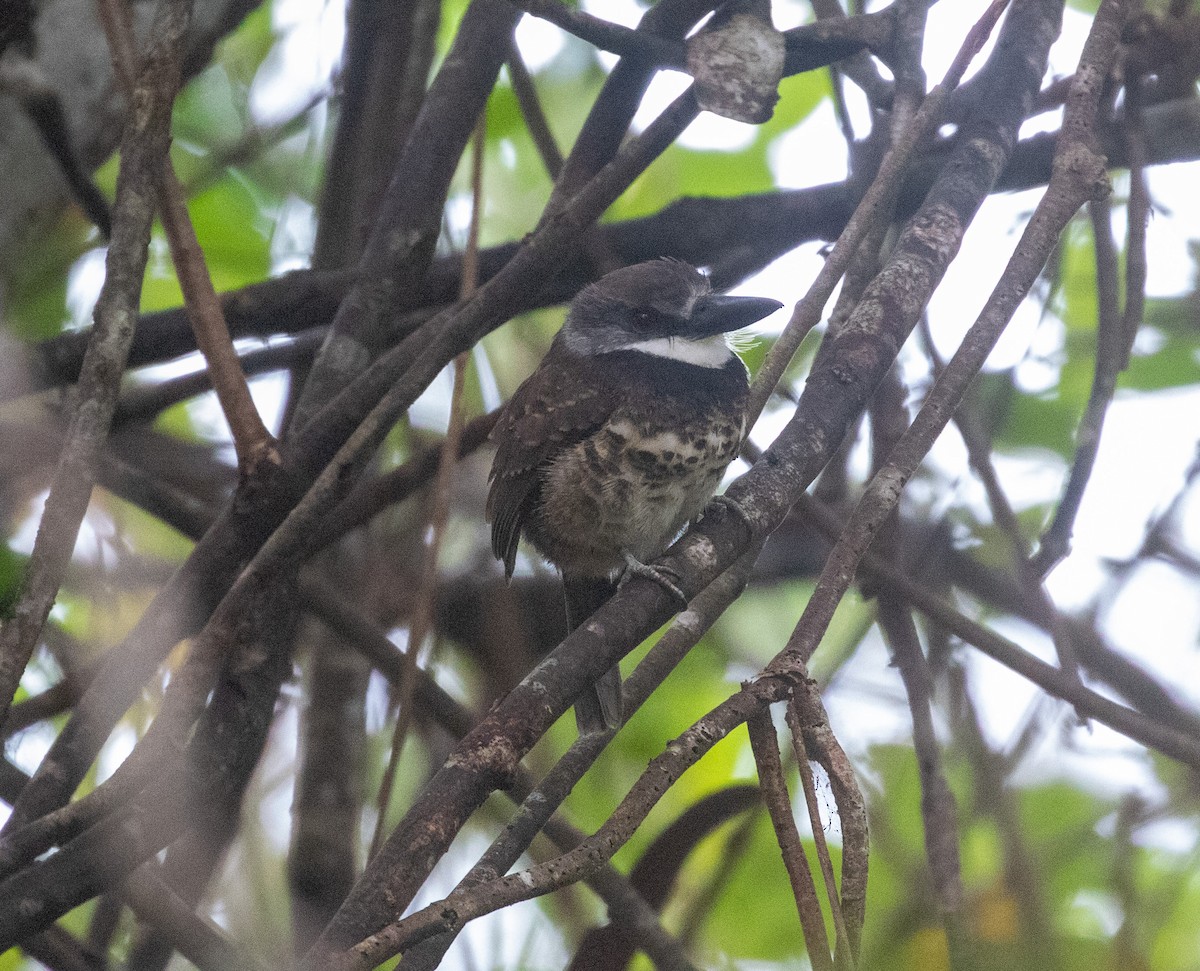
{"points": [[664, 576], [721, 506]]}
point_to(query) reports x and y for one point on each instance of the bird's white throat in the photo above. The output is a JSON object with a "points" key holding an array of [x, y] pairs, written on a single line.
{"points": [[710, 352]]}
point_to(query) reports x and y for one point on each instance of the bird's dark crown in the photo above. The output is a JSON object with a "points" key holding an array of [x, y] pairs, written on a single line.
{"points": [[634, 304], [644, 304]]}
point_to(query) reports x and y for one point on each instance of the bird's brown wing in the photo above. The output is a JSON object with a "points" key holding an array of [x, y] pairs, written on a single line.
{"points": [[563, 402]]}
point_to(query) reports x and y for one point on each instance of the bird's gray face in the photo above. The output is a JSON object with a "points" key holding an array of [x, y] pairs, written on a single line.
{"points": [[663, 307]]}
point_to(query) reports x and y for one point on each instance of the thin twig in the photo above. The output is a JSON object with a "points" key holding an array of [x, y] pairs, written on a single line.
{"points": [[251, 439], [875, 206], [1079, 175], [842, 956], [531, 111], [1137, 213], [144, 145], [422, 618], [606, 35], [538, 803], [1142, 728], [537, 808], [1115, 332], [765, 745], [979, 457], [938, 808], [655, 875], [452, 913], [813, 738]]}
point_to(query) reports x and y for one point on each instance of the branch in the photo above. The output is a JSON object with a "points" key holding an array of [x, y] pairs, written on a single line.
{"points": [[538, 807], [459, 908], [626, 907], [876, 206], [611, 948], [1079, 175], [812, 738], [606, 35], [765, 746], [400, 248], [26, 81], [198, 940], [144, 146], [838, 388], [181, 793], [422, 616], [1115, 333], [254, 444], [1177, 743], [695, 229], [938, 808], [388, 53]]}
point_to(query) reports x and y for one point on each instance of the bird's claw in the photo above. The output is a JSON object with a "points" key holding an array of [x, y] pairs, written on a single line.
{"points": [[664, 576]]}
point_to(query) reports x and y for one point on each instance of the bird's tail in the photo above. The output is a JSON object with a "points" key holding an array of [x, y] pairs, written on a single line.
{"points": [[599, 707]]}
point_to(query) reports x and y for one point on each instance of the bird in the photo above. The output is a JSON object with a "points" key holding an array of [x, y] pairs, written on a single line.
{"points": [[619, 438]]}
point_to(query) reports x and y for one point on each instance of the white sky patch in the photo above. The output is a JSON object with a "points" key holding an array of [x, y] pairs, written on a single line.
{"points": [[539, 41], [84, 281], [431, 410], [1167, 645], [786, 279], [295, 232], [116, 750], [712, 132], [663, 89], [1046, 121], [88, 542], [300, 65], [969, 281], [277, 779], [1065, 54], [793, 162], [1174, 219], [949, 23], [708, 132], [1189, 520], [627, 13], [1148, 444], [1169, 835]]}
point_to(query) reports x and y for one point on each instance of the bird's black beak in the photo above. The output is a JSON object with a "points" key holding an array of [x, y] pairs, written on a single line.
{"points": [[720, 314]]}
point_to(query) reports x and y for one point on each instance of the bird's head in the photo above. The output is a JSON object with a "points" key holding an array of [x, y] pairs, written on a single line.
{"points": [[663, 307]]}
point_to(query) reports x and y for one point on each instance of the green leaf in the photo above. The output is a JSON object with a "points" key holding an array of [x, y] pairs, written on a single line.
{"points": [[770, 929], [12, 573]]}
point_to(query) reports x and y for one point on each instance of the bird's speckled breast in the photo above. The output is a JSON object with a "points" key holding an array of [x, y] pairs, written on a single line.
{"points": [[632, 487]]}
